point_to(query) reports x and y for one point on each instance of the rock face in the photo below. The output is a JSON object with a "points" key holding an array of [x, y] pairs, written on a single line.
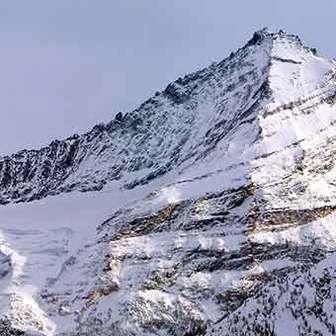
{"points": [[232, 229]]}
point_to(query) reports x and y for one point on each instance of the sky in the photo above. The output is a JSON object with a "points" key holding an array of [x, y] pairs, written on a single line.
{"points": [[66, 65]]}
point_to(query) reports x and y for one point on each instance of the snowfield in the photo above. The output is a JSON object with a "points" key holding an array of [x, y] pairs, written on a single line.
{"points": [[43, 239]]}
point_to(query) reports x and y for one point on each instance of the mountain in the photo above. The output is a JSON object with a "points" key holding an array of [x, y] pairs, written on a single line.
{"points": [[209, 210]]}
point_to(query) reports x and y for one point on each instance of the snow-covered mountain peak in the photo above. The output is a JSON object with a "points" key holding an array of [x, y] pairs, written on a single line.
{"points": [[209, 210], [266, 34]]}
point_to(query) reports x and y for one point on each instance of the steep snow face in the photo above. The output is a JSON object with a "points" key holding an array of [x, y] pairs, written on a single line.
{"points": [[210, 211], [298, 126], [296, 70]]}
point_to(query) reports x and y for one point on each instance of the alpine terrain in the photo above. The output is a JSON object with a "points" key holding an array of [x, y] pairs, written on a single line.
{"points": [[209, 210]]}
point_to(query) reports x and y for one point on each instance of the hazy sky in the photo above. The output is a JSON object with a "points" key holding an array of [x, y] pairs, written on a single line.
{"points": [[68, 64]]}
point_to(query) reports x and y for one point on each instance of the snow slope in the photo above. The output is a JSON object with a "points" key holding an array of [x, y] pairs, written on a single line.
{"points": [[43, 240]]}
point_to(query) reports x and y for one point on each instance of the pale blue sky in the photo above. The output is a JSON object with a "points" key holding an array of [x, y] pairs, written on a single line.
{"points": [[68, 64]]}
